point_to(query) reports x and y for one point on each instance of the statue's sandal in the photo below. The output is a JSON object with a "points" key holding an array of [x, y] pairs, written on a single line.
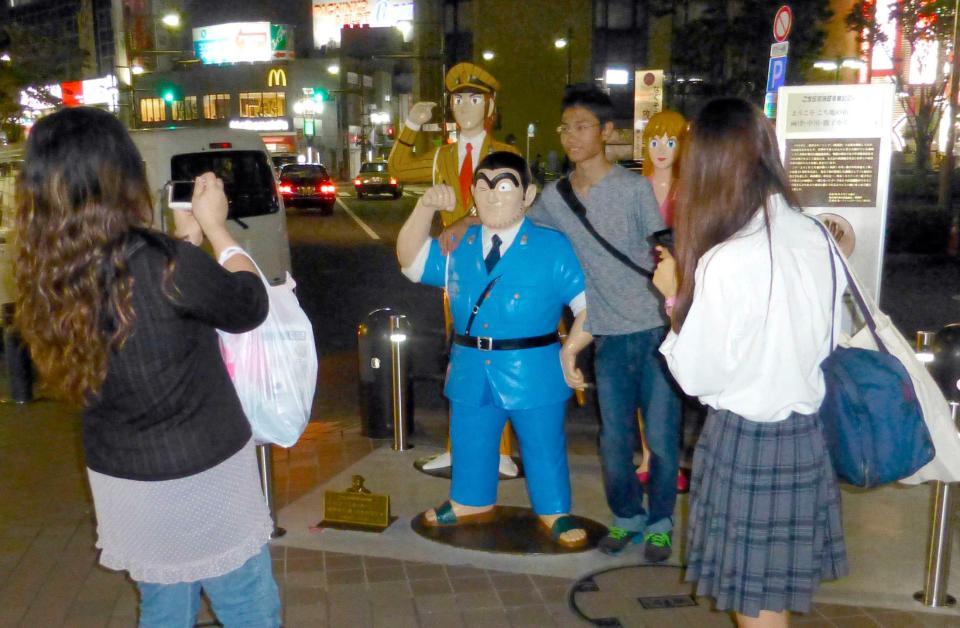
{"points": [[561, 525], [446, 516]]}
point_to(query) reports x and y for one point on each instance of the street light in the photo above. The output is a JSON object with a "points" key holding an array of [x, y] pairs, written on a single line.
{"points": [[171, 20], [488, 55], [834, 65], [333, 69]]}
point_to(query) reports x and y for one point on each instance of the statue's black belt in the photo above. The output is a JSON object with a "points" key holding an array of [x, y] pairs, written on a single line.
{"points": [[486, 343]]}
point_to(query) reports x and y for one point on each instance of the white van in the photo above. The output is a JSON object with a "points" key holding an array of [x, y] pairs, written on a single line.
{"points": [[256, 217]]}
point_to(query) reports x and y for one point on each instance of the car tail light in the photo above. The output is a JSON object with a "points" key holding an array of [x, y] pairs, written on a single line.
{"points": [[221, 145], [357, 181], [286, 188], [393, 181], [328, 188]]}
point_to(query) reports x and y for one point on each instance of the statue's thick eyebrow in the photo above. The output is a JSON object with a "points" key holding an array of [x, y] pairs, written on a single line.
{"points": [[503, 175]]}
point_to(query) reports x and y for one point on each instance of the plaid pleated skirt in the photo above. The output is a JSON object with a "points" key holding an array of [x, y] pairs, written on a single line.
{"points": [[765, 525]]}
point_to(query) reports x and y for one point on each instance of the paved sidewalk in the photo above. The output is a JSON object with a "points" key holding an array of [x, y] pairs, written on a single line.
{"points": [[49, 575]]}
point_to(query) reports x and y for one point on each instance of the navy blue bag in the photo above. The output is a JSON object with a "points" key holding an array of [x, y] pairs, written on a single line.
{"points": [[872, 419]]}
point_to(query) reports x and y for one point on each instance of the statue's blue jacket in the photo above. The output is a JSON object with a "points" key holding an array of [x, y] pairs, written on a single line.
{"points": [[539, 275]]}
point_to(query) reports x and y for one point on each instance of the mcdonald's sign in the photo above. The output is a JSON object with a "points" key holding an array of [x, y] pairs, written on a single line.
{"points": [[277, 77]]}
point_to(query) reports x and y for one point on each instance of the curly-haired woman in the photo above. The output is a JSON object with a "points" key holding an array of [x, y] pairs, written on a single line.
{"points": [[123, 320]]}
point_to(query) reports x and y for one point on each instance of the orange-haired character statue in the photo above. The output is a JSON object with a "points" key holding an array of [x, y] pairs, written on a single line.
{"points": [[473, 92], [662, 139], [662, 142]]}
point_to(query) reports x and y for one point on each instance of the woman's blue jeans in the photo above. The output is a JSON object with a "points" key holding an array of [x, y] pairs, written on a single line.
{"points": [[632, 374], [246, 596]]}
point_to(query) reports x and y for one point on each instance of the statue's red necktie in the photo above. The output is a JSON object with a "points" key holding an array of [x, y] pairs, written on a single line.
{"points": [[466, 177]]}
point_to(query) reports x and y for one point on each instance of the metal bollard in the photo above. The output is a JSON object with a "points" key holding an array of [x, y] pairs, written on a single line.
{"points": [[934, 593], [265, 465], [399, 328]]}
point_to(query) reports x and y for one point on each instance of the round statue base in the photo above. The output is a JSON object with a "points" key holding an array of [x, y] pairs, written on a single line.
{"points": [[447, 472], [515, 531]]}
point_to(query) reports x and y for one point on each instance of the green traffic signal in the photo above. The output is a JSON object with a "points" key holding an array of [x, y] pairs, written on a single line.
{"points": [[320, 94], [169, 92]]}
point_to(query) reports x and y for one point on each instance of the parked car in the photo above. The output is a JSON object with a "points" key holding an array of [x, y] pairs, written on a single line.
{"points": [[373, 178], [308, 185]]}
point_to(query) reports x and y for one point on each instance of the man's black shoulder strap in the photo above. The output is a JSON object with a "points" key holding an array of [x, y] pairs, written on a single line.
{"points": [[570, 198]]}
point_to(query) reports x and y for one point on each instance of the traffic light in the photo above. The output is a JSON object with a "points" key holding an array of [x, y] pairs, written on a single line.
{"points": [[170, 93], [320, 94], [390, 131]]}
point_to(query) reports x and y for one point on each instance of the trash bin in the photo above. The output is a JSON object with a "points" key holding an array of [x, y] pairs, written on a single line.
{"points": [[374, 358], [945, 367], [19, 367]]}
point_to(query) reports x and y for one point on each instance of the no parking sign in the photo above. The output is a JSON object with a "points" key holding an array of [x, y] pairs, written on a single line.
{"points": [[782, 23], [777, 70]]}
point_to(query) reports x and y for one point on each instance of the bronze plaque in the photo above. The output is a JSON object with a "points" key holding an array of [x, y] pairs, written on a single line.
{"points": [[356, 506]]}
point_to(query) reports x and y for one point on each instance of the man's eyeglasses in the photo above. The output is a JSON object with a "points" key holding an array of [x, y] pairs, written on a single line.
{"points": [[578, 129]]}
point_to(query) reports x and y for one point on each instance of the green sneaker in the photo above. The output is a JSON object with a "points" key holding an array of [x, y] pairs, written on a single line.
{"points": [[657, 546], [617, 539]]}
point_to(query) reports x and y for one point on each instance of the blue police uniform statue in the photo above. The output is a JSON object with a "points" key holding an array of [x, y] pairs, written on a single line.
{"points": [[505, 361]]}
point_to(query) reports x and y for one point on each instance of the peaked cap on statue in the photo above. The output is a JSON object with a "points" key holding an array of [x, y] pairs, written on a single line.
{"points": [[470, 77]]}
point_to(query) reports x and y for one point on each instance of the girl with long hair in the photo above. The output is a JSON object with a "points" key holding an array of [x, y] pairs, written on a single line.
{"points": [[752, 299], [122, 320]]}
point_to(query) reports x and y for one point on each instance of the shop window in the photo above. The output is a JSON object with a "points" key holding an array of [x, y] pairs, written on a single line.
{"points": [[216, 106], [185, 109], [263, 105], [152, 110]]}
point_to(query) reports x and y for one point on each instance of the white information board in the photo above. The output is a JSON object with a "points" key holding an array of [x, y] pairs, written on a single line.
{"points": [[836, 142]]}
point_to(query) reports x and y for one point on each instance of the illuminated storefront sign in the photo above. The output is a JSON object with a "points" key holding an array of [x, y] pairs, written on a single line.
{"points": [[329, 16], [277, 77], [99, 91], [269, 124], [242, 42]]}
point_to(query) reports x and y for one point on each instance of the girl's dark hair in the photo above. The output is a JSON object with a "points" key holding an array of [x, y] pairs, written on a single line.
{"points": [[82, 190], [591, 98], [729, 168], [505, 159]]}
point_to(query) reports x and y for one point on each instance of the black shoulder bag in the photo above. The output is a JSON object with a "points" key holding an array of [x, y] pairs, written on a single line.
{"points": [[570, 198]]}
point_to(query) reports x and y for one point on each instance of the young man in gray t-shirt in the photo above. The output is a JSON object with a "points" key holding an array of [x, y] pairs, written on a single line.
{"points": [[626, 318]]}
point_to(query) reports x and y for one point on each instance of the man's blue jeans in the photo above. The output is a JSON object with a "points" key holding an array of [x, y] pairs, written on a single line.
{"points": [[632, 374], [246, 596]]}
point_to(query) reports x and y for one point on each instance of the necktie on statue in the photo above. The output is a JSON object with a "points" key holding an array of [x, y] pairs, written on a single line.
{"points": [[494, 255], [466, 177]]}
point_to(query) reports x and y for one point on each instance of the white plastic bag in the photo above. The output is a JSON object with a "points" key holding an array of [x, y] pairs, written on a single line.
{"points": [[274, 368]]}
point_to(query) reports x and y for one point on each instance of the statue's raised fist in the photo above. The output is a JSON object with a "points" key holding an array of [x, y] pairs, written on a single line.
{"points": [[421, 112], [439, 198]]}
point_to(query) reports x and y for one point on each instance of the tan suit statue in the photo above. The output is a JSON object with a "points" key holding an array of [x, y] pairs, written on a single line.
{"points": [[472, 93]]}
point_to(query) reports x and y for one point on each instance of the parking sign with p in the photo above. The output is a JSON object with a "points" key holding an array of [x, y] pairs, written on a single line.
{"points": [[776, 73]]}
